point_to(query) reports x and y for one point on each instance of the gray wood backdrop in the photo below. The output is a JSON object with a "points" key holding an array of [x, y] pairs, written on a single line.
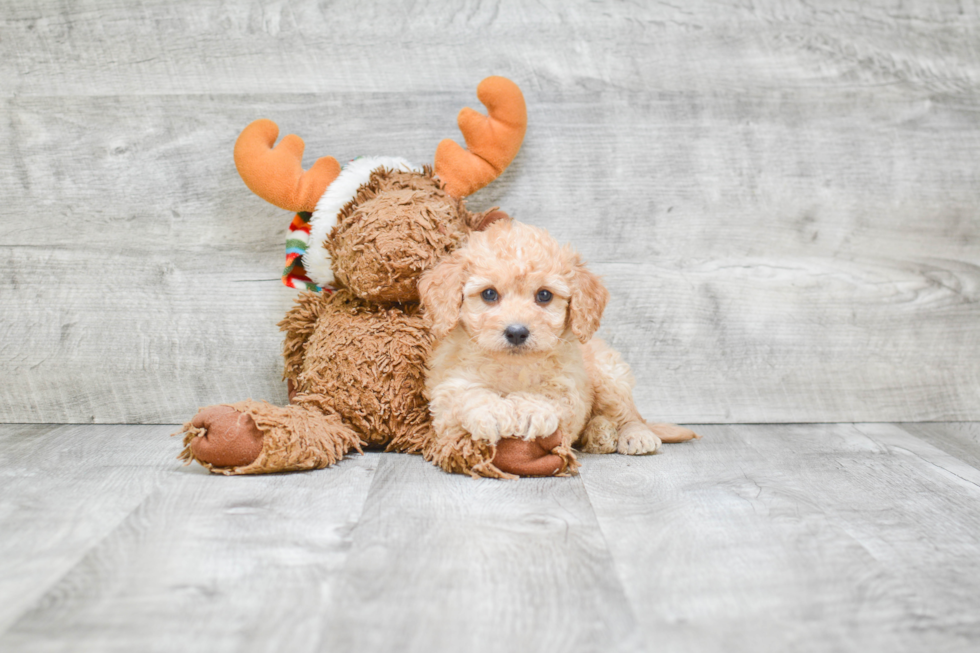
{"points": [[782, 195]]}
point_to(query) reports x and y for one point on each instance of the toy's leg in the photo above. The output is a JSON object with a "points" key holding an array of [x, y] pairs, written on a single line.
{"points": [[251, 437], [477, 431], [456, 451], [548, 456], [616, 424]]}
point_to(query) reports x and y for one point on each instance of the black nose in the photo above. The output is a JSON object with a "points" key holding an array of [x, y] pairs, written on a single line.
{"points": [[516, 334]]}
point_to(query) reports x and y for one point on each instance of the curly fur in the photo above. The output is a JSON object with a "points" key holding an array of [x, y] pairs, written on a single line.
{"points": [[397, 225], [481, 384], [356, 358]]}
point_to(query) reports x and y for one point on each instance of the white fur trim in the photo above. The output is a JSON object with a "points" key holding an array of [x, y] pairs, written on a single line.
{"points": [[355, 174]]}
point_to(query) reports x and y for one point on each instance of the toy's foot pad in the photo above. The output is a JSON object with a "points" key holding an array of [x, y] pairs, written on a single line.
{"points": [[530, 457], [229, 438]]}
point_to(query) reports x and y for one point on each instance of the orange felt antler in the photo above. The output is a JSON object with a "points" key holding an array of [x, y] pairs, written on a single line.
{"points": [[276, 174], [492, 141]]}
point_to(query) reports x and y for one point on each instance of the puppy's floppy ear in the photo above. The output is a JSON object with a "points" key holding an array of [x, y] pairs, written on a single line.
{"points": [[480, 221], [587, 300], [441, 292]]}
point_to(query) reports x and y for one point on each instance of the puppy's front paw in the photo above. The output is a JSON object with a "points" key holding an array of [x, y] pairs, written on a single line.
{"points": [[635, 439], [491, 422], [536, 418]]}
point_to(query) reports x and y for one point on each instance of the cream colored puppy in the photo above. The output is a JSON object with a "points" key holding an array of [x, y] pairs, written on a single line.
{"points": [[514, 314]]}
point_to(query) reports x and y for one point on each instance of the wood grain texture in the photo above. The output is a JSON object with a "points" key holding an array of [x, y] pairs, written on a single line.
{"points": [[846, 537], [101, 48], [170, 560], [444, 562], [959, 439], [64, 489], [804, 537], [782, 196]]}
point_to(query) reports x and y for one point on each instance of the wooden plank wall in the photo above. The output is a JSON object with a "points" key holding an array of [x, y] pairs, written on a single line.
{"points": [[782, 195]]}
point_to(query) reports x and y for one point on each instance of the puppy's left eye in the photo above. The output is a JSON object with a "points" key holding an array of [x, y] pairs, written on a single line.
{"points": [[543, 296]]}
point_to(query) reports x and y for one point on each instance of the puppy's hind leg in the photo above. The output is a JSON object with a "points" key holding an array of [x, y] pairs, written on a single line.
{"points": [[599, 436], [613, 383]]}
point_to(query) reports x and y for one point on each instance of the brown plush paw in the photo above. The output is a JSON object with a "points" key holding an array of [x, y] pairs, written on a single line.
{"points": [[529, 457], [232, 438]]}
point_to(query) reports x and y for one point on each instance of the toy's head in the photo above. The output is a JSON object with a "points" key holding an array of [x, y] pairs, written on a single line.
{"points": [[374, 226]]}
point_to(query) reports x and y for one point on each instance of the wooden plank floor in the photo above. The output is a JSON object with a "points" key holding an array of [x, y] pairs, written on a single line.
{"points": [[818, 537]]}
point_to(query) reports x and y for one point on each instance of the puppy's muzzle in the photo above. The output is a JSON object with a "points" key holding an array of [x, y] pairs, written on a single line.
{"points": [[516, 334]]}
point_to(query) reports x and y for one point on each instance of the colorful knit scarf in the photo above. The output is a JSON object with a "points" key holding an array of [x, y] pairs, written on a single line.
{"points": [[297, 242]]}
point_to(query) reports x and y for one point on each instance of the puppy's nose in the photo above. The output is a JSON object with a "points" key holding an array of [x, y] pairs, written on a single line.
{"points": [[516, 334]]}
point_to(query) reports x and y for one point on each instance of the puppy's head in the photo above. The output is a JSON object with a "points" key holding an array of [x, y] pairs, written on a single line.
{"points": [[515, 291]]}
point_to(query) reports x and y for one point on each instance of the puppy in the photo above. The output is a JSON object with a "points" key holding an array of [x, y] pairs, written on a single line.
{"points": [[514, 313]]}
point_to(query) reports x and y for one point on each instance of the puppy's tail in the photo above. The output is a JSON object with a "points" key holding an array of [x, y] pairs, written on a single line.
{"points": [[672, 433]]}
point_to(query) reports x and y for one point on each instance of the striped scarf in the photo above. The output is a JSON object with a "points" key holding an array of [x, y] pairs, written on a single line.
{"points": [[297, 242]]}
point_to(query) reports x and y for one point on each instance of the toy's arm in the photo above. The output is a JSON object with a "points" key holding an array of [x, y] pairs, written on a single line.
{"points": [[299, 324]]}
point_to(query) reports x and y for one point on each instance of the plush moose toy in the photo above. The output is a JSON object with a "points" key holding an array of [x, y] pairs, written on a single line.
{"points": [[356, 340]]}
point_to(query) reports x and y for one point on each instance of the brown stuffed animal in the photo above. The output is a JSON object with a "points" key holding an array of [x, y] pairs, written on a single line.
{"points": [[356, 341]]}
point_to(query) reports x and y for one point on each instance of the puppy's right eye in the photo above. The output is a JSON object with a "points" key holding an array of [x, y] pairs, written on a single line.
{"points": [[489, 295]]}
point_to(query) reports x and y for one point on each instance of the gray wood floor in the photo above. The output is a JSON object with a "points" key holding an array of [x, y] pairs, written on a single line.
{"points": [[820, 537]]}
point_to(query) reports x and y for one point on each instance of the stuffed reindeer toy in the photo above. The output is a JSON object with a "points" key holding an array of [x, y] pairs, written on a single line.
{"points": [[356, 341]]}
